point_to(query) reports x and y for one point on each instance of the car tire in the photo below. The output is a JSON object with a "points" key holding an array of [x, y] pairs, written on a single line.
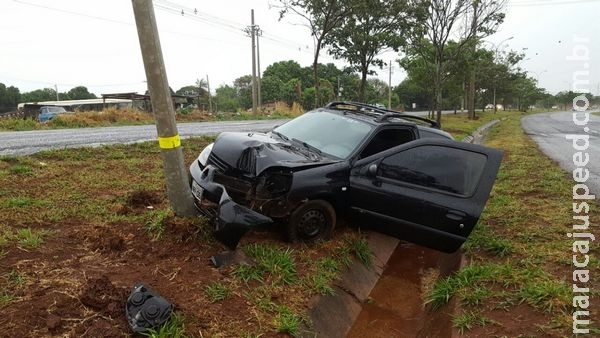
{"points": [[311, 221]]}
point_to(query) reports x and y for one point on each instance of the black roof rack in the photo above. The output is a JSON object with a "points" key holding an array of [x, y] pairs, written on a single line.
{"points": [[381, 114]]}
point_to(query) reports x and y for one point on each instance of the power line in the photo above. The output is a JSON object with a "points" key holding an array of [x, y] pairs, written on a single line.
{"points": [[195, 15]]}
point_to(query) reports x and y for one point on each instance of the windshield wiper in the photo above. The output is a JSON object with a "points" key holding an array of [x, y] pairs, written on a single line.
{"points": [[308, 146], [281, 136]]}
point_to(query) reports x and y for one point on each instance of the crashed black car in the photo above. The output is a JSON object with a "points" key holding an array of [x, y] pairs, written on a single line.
{"points": [[397, 173]]}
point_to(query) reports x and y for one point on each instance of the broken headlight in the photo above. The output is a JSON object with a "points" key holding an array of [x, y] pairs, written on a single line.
{"points": [[203, 157], [273, 184]]}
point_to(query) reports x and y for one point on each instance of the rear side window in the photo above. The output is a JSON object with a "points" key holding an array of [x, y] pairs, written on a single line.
{"points": [[386, 139], [447, 169], [428, 134]]}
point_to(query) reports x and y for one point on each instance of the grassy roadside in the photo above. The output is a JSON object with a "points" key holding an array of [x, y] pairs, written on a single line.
{"points": [[121, 117], [69, 215], [518, 276]]}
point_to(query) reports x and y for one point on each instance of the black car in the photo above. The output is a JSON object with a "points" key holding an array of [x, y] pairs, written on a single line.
{"points": [[398, 173]]}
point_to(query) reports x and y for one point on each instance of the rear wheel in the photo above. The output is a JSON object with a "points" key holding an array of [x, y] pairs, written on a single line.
{"points": [[311, 221]]}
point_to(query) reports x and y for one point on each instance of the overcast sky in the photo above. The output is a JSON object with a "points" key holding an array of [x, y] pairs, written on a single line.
{"points": [[66, 43]]}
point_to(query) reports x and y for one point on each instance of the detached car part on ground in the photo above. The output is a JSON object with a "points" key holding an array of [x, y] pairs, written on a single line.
{"points": [[397, 173]]}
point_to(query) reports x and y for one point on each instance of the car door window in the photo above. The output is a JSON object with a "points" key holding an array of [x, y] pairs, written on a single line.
{"points": [[447, 169], [386, 139]]}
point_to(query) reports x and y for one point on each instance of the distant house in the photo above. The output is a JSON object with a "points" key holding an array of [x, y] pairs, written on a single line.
{"points": [[117, 100], [31, 109]]}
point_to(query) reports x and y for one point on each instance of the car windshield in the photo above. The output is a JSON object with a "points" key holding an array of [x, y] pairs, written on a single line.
{"points": [[56, 109], [332, 134]]}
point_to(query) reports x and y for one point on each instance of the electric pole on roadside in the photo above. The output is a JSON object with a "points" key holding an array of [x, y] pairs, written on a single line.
{"points": [[259, 94], [390, 87], [178, 189], [209, 96], [254, 85], [254, 31]]}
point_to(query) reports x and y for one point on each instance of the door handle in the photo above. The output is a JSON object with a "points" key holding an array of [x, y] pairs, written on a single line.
{"points": [[456, 215]]}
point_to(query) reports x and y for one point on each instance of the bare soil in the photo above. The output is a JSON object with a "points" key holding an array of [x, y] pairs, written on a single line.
{"points": [[93, 206]]}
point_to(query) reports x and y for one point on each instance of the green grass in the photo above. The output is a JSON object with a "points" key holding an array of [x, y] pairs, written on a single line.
{"points": [[360, 249], [20, 169], [327, 270], [518, 253], [155, 225], [29, 238], [274, 265], [275, 289], [217, 291], [172, 328], [286, 321], [467, 320]]}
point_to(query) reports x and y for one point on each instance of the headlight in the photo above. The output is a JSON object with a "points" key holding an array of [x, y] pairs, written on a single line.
{"points": [[203, 157]]}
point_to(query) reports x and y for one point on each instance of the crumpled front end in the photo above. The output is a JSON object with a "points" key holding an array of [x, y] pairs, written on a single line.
{"points": [[231, 220]]}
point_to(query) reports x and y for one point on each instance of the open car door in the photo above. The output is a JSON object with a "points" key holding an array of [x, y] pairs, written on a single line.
{"points": [[430, 192]]}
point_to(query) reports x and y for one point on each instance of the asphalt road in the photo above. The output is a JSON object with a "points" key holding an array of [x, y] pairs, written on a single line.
{"points": [[29, 142], [549, 131], [21, 143]]}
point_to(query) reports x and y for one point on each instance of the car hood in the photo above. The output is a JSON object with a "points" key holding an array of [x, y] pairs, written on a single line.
{"points": [[252, 153]]}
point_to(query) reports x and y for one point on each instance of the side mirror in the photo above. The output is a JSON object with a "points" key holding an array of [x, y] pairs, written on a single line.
{"points": [[372, 171]]}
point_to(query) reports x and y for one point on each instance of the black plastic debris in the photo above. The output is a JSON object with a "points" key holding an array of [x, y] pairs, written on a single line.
{"points": [[146, 309]]}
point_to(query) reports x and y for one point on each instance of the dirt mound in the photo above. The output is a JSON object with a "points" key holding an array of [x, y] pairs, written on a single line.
{"points": [[101, 295]]}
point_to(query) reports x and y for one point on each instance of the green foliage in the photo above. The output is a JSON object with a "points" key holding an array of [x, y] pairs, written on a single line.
{"points": [[374, 26], [9, 98], [79, 93]]}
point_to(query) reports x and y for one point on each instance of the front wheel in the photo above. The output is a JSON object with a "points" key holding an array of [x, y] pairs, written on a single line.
{"points": [[311, 221]]}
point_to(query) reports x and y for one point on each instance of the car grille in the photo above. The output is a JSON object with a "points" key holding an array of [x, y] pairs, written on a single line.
{"points": [[217, 162]]}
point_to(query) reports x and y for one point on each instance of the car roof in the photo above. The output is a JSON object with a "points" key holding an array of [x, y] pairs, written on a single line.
{"points": [[375, 115]]}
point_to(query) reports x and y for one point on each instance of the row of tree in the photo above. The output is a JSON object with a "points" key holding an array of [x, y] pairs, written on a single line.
{"points": [[11, 96], [448, 65]]}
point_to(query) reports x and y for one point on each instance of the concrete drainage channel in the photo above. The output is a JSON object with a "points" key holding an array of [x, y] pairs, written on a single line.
{"points": [[385, 300]]}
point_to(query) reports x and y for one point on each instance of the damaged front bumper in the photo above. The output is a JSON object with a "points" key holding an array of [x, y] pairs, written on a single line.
{"points": [[231, 220]]}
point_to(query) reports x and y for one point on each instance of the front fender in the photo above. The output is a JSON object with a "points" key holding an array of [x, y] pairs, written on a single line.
{"points": [[232, 220]]}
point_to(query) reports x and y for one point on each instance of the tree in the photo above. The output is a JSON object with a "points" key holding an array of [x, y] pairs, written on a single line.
{"points": [[321, 17], [286, 71], [79, 93], [39, 95], [227, 99], [243, 88], [443, 21], [374, 25], [9, 98], [271, 89]]}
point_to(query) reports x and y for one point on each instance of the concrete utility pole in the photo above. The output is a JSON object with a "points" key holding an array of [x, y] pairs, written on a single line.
{"points": [[471, 96], [178, 189], [258, 34], [390, 87], [254, 85], [209, 96]]}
